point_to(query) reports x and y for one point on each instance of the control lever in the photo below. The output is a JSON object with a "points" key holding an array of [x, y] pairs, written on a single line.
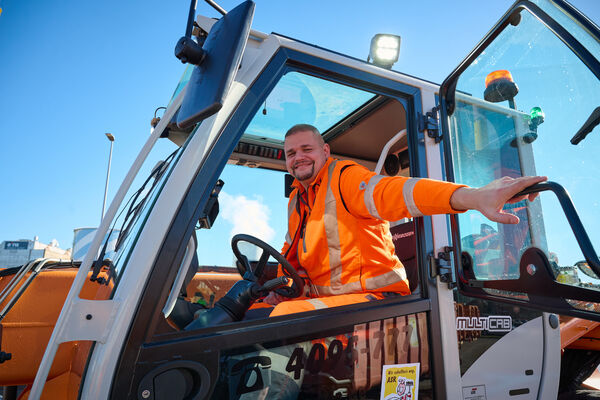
{"points": [[270, 285], [275, 283]]}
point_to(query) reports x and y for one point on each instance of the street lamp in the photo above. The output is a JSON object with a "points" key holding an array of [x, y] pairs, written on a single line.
{"points": [[111, 138]]}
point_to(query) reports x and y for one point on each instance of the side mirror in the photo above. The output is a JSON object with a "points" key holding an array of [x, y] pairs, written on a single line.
{"points": [[585, 268], [212, 77]]}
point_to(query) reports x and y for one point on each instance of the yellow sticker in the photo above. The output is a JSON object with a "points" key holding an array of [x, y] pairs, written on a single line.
{"points": [[400, 382]]}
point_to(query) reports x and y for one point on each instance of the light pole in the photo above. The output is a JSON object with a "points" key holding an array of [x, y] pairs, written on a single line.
{"points": [[111, 138]]}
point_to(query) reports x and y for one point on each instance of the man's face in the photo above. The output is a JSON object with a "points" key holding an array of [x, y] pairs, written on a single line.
{"points": [[304, 156]]}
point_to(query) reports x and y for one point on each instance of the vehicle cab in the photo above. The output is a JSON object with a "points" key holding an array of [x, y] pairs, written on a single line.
{"points": [[154, 319]]}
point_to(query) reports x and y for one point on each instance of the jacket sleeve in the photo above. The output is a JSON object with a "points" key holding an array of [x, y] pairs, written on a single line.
{"points": [[368, 195]]}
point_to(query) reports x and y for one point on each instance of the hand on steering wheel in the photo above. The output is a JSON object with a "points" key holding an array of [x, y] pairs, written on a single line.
{"points": [[246, 271]]}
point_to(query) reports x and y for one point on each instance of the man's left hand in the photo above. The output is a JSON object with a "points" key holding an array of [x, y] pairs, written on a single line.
{"points": [[490, 199]]}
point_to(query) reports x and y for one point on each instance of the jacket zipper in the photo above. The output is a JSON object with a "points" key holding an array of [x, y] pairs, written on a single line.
{"points": [[304, 221], [303, 233]]}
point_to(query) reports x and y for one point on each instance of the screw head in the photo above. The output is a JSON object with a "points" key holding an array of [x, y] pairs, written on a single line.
{"points": [[146, 394]]}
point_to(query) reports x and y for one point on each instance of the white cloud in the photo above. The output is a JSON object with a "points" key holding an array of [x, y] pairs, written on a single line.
{"points": [[249, 216]]}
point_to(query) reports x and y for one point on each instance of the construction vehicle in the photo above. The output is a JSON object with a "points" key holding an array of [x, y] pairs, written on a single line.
{"points": [[495, 309]]}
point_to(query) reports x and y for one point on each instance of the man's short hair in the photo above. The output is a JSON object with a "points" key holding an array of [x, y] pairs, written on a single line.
{"points": [[304, 128]]}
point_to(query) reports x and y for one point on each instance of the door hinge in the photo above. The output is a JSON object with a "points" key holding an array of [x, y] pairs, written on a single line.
{"points": [[430, 121], [442, 267]]}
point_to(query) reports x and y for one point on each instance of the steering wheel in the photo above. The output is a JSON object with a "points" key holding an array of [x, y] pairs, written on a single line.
{"points": [[244, 267]]}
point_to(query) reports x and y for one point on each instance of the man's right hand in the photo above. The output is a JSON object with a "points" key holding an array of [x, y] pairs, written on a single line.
{"points": [[491, 198]]}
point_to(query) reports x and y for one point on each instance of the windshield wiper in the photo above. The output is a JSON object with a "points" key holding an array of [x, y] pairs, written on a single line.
{"points": [[588, 126], [134, 208]]}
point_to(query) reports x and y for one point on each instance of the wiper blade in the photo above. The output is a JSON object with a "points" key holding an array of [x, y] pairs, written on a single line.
{"points": [[132, 212], [588, 126], [136, 206]]}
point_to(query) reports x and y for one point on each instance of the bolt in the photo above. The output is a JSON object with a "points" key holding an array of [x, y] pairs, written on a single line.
{"points": [[146, 394]]}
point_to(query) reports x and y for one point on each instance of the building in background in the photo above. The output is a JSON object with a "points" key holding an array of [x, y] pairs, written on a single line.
{"points": [[82, 240], [18, 252]]}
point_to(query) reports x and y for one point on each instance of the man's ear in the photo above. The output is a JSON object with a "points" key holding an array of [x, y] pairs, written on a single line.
{"points": [[326, 149]]}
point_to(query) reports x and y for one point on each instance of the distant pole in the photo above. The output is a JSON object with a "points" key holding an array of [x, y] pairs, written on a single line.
{"points": [[111, 138]]}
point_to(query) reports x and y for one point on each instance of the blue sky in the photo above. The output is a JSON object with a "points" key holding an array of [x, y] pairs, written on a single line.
{"points": [[73, 70]]}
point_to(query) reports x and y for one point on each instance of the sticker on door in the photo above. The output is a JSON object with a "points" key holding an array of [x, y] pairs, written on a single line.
{"points": [[400, 382], [474, 392]]}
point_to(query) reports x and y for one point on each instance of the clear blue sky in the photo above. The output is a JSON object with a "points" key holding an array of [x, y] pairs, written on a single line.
{"points": [[73, 70]]}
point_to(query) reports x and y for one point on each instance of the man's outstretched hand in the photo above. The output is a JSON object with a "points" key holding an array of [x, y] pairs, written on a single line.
{"points": [[490, 199]]}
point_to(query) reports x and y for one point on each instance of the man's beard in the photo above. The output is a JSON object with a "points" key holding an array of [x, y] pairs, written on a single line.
{"points": [[305, 175]]}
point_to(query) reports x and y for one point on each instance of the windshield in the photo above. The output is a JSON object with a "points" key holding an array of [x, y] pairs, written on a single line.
{"points": [[517, 107], [301, 97]]}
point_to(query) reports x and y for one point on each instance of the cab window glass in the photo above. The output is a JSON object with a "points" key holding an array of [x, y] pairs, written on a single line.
{"points": [[517, 108], [301, 97]]}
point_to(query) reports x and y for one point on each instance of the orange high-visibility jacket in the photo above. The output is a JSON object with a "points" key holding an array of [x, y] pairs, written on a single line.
{"points": [[338, 236]]}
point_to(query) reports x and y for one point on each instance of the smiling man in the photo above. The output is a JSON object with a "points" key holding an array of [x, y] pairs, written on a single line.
{"points": [[338, 237]]}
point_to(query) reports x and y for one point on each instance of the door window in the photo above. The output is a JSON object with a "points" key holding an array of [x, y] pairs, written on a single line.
{"points": [[518, 104]]}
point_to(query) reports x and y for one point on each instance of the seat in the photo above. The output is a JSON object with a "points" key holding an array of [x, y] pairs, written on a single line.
{"points": [[405, 243]]}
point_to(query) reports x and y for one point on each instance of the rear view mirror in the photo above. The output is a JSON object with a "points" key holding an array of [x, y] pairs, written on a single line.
{"points": [[211, 79], [585, 268]]}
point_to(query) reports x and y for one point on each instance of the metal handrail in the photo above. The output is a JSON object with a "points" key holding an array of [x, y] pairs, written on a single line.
{"points": [[17, 278], [35, 267]]}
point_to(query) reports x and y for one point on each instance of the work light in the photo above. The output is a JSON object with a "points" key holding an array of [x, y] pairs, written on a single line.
{"points": [[384, 50]]}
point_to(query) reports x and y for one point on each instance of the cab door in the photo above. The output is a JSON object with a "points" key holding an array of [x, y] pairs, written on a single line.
{"points": [[526, 102]]}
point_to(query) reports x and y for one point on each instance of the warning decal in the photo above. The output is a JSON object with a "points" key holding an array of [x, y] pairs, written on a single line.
{"points": [[474, 392]]}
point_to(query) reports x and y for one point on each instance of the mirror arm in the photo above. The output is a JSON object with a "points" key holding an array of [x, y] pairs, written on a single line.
{"points": [[191, 15], [217, 7]]}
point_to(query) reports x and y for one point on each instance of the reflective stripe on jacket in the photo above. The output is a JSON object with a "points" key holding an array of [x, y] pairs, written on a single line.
{"points": [[337, 230]]}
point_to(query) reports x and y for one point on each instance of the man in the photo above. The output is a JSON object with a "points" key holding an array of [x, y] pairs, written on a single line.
{"points": [[338, 239]]}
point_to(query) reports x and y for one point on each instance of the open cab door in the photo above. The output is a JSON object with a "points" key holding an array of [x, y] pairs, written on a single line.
{"points": [[525, 102]]}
